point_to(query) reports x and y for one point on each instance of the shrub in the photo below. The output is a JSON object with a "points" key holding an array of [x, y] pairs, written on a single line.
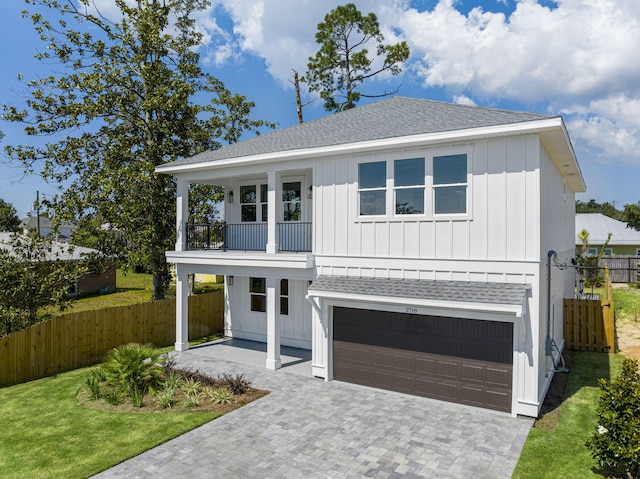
{"points": [[93, 383], [237, 384], [133, 367], [615, 443], [166, 398], [220, 396]]}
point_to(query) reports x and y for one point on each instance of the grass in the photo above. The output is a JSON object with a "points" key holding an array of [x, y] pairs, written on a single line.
{"points": [[562, 451], [46, 434], [132, 288], [627, 303]]}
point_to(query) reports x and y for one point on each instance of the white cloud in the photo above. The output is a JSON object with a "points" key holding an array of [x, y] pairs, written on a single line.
{"points": [[463, 100], [610, 126], [578, 57]]}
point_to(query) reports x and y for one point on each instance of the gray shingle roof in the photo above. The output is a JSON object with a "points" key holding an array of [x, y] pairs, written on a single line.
{"points": [[390, 118], [463, 291]]}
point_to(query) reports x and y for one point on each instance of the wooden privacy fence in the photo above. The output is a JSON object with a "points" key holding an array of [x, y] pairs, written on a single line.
{"points": [[79, 339], [589, 323], [623, 269]]}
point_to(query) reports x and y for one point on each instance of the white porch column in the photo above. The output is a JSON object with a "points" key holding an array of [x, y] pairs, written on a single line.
{"points": [[273, 324], [182, 214], [273, 182], [182, 310]]}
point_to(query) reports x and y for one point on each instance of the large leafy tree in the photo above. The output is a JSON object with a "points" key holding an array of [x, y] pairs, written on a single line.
{"points": [[631, 215], [344, 62], [9, 220], [121, 101], [34, 275]]}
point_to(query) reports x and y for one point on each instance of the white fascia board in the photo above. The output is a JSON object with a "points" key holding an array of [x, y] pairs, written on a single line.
{"points": [[256, 260], [512, 309], [537, 126]]}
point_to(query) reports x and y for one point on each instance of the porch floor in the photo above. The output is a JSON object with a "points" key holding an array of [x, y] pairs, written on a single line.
{"points": [[254, 353]]}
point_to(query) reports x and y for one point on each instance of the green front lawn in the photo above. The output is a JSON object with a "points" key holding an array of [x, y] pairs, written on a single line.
{"points": [[562, 452], [45, 434], [131, 288]]}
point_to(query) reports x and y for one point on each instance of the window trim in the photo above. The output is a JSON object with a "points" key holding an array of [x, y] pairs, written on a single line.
{"points": [[429, 196], [435, 187], [259, 204], [258, 293], [419, 186], [284, 297], [384, 189]]}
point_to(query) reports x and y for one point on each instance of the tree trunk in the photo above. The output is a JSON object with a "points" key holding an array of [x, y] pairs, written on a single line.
{"points": [[296, 84]]}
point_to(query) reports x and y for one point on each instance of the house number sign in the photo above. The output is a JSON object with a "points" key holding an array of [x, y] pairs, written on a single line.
{"points": [[411, 310]]}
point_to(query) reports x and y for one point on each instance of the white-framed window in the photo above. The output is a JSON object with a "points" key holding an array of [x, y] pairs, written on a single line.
{"points": [[258, 294], [284, 296], [637, 251], [592, 251], [253, 204], [408, 178], [372, 188], [292, 201], [450, 184], [263, 202], [608, 251]]}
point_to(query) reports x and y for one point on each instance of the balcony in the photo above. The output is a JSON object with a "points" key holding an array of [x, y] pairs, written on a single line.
{"points": [[293, 236]]}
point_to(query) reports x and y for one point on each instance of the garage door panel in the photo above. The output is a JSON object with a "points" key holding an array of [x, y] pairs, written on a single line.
{"points": [[452, 359]]}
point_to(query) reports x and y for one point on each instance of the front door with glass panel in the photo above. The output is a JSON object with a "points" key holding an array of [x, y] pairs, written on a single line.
{"points": [[292, 201], [295, 233]]}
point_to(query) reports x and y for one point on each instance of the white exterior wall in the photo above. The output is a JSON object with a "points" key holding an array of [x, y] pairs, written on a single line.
{"points": [[241, 322], [502, 223], [557, 234]]}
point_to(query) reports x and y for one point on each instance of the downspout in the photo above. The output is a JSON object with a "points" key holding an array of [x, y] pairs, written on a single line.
{"points": [[548, 342]]}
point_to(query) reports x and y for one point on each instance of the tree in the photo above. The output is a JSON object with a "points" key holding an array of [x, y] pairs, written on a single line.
{"points": [[9, 220], [120, 103], [631, 215], [343, 62], [592, 206], [33, 275]]}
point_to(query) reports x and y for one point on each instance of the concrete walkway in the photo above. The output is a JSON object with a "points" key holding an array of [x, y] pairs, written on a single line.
{"points": [[309, 428]]}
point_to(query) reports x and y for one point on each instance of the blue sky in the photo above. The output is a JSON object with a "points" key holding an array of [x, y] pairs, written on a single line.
{"points": [[575, 58]]}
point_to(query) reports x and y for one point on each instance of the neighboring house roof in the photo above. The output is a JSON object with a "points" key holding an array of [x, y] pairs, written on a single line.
{"points": [[599, 226], [462, 291], [374, 125], [59, 250]]}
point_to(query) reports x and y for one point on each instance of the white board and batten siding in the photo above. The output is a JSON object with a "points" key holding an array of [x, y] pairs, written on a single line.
{"points": [[242, 323], [502, 223]]}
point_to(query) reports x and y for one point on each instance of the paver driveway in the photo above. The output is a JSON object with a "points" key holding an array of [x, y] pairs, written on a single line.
{"points": [[308, 427]]}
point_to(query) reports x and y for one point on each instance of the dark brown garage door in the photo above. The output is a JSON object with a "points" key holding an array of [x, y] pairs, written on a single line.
{"points": [[452, 359]]}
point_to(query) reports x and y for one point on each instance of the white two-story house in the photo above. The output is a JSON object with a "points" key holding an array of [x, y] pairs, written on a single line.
{"points": [[407, 243]]}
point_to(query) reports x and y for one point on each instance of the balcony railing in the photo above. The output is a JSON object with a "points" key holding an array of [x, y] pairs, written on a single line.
{"points": [[294, 236]]}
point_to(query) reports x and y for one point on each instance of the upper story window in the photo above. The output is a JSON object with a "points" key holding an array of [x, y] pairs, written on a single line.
{"points": [[450, 184], [249, 204], [372, 192], [292, 201], [409, 186]]}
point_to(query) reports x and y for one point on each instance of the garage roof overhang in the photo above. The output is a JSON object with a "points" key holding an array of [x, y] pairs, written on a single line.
{"points": [[505, 298]]}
